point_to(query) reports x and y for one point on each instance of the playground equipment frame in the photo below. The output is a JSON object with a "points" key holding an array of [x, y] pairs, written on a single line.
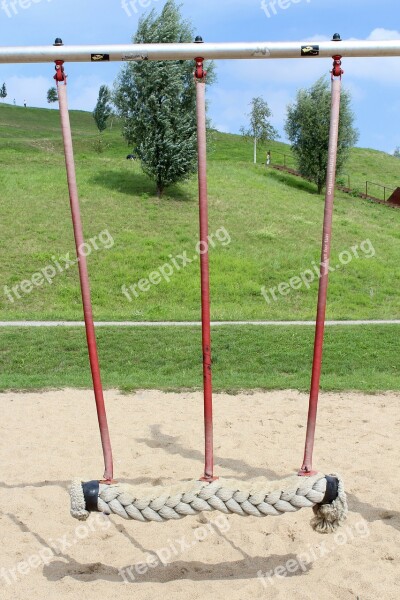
{"points": [[253, 50]]}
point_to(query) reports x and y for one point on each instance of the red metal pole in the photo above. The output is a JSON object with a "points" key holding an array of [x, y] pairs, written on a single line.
{"points": [[84, 281], [306, 468], [204, 269]]}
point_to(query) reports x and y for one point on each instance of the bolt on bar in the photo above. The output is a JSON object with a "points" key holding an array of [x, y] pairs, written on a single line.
{"points": [[253, 50]]}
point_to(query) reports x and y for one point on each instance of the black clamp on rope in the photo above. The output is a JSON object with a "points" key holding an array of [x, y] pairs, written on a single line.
{"points": [[91, 491], [332, 490]]}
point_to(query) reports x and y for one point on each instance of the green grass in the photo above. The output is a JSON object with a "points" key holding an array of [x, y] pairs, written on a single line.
{"points": [[377, 167], [363, 358], [364, 165], [274, 223]]}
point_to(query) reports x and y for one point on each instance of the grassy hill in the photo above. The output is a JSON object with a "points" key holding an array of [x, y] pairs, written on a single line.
{"points": [[273, 224], [364, 165]]}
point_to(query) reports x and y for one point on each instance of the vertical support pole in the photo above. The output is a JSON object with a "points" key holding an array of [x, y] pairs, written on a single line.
{"points": [[306, 468], [200, 76], [84, 280]]}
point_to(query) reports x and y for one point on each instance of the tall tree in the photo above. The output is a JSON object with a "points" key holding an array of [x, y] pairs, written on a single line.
{"points": [[157, 102], [260, 128], [52, 95], [307, 127], [3, 91], [103, 109], [396, 153]]}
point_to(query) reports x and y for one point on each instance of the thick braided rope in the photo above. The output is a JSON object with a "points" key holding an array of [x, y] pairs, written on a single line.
{"points": [[258, 499]]}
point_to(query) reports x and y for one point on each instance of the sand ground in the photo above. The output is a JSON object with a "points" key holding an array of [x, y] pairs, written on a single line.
{"points": [[48, 438]]}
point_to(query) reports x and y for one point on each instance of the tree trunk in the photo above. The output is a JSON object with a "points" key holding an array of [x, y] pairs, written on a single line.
{"points": [[255, 150], [160, 190]]}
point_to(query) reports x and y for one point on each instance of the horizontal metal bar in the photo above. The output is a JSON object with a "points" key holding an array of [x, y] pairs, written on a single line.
{"points": [[254, 50], [380, 185]]}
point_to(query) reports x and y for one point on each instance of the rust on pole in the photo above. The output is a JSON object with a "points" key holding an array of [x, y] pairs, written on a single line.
{"points": [[200, 79], [337, 72], [83, 272]]}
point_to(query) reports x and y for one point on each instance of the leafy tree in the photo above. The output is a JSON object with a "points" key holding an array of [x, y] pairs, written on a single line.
{"points": [[307, 127], [52, 95], [157, 102], [396, 153], [260, 129], [3, 91], [103, 109]]}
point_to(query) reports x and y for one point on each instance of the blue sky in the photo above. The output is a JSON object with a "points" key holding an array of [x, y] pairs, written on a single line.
{"points": [[375, 84]]}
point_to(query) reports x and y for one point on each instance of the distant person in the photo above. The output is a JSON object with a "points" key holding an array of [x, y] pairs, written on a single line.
{"points": [[14, 102], [268, 161], [25, 103]]}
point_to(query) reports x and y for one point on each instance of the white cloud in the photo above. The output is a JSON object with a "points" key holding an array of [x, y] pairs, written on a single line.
{"points": [[377, 70], [289, 72], [372, 83], [304, 72], [230, 116], [82, 91], [380, 34], [223, 128], [318, 38], [31, 89]]}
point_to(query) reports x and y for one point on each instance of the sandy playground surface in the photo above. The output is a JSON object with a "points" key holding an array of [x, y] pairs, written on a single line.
{"points": [[48, 438]]}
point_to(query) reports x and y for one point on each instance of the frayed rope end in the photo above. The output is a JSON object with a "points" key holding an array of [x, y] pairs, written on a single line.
{"points": [[78, 502], [328, 517]]}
